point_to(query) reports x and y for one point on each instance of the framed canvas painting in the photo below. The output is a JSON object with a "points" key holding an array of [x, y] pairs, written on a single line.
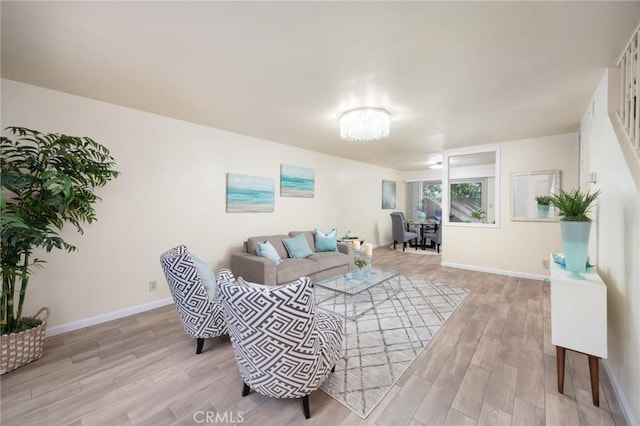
{"points": [[296, 181], [388, 194], [250, 193]]}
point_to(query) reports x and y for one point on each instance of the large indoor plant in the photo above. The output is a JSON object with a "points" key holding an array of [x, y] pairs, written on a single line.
{"points": [[575, 226], [48, 180]]}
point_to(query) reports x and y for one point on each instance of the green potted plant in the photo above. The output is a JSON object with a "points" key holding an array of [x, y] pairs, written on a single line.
{"points": [[48, 181], [360, 265], [573, 207], [543, 205], [478, 215]]}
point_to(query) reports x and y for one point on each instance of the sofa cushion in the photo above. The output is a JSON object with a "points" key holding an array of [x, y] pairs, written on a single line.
{"points": [[275, 240], [328, 259], [267, 250], [292, 269], [326, 242], [298, 247], [308, 235]]}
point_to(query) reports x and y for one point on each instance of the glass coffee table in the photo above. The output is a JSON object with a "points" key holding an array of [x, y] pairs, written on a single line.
{"points": [[352, 298]]}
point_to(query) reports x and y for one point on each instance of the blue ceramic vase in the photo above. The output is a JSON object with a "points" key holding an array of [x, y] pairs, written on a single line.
{"points": [[575, 241], [543, 210]]}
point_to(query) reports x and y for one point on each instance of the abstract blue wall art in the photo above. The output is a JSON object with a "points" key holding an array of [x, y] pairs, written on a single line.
{"points": [[250, 193], [388, 194], [296, 181]]}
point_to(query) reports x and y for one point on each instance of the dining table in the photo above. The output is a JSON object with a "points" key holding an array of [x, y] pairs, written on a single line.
{"points": [[424, 226]]}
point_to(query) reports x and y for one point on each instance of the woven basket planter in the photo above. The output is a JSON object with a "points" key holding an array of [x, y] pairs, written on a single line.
{"points": [[18, 349]]}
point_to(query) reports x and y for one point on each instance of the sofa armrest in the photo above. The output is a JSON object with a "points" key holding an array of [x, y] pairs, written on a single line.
{"points": [[346, 248], [254, 268]]}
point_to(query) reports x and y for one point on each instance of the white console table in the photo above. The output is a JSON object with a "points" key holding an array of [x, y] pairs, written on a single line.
{"points": [[578, 320]]}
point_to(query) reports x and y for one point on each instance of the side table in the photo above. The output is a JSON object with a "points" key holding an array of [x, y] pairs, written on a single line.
{"points": [[350, 240], [579, 320]]}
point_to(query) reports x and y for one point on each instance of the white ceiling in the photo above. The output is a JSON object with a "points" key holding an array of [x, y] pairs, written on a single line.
{"points": [[452, 74]]}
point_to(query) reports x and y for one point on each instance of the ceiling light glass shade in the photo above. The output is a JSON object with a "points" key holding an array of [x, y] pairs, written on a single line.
{"points": [[364, 124]]}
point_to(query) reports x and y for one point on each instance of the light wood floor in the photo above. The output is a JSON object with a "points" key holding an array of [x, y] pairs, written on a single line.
{"points": [[491, 363]]}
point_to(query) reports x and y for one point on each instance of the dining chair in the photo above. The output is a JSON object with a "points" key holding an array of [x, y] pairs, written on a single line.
{"points": [[400, 234], [435, 235]]}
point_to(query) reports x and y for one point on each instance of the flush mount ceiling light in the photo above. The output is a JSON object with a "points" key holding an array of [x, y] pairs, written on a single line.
{"points": [[364, 124]]}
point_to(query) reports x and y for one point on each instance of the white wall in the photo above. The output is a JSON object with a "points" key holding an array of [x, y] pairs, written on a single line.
{"points": [[617, 247], [515, 246], [426, 175], [172, 191]]}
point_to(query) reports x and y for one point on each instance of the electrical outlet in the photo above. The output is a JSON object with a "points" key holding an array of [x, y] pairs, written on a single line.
{"points": [[545, 263], [153, 285]]}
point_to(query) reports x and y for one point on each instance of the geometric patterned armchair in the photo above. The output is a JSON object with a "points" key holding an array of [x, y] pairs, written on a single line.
{"points": [[200, 317], [284, 348]]}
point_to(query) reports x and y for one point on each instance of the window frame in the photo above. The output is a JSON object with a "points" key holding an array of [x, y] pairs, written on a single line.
{"points": [[447, 181]]}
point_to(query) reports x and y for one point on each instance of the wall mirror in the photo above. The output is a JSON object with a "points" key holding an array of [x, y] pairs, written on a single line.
{"points": [[472, 182], [526, 188]]}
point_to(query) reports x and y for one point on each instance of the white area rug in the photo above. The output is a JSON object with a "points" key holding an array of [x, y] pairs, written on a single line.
{"points": [[382, 343], [412, 250]]}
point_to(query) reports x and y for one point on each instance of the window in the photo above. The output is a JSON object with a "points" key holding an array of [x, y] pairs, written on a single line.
{"points": [[472, 180], [467, 202], [424, 200]]}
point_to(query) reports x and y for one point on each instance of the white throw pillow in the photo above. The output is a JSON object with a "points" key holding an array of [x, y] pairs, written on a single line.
{"points": [[207, 276], [254, 285]]}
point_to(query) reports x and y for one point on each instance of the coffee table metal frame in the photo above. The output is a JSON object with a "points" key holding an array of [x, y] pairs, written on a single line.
{"points": [[353, 291]]}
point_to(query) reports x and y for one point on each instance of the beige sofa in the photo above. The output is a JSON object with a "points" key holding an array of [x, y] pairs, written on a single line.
{"points": [[318, 266]]}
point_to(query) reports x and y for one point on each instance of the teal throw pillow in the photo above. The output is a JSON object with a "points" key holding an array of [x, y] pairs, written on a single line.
{"points": [[267, 250], [207, 276], [327, 242], [298, 247]]}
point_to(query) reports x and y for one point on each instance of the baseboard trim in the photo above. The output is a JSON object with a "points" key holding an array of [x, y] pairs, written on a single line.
{"points": [[99, 319], [624, 403], [496, 271]]}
